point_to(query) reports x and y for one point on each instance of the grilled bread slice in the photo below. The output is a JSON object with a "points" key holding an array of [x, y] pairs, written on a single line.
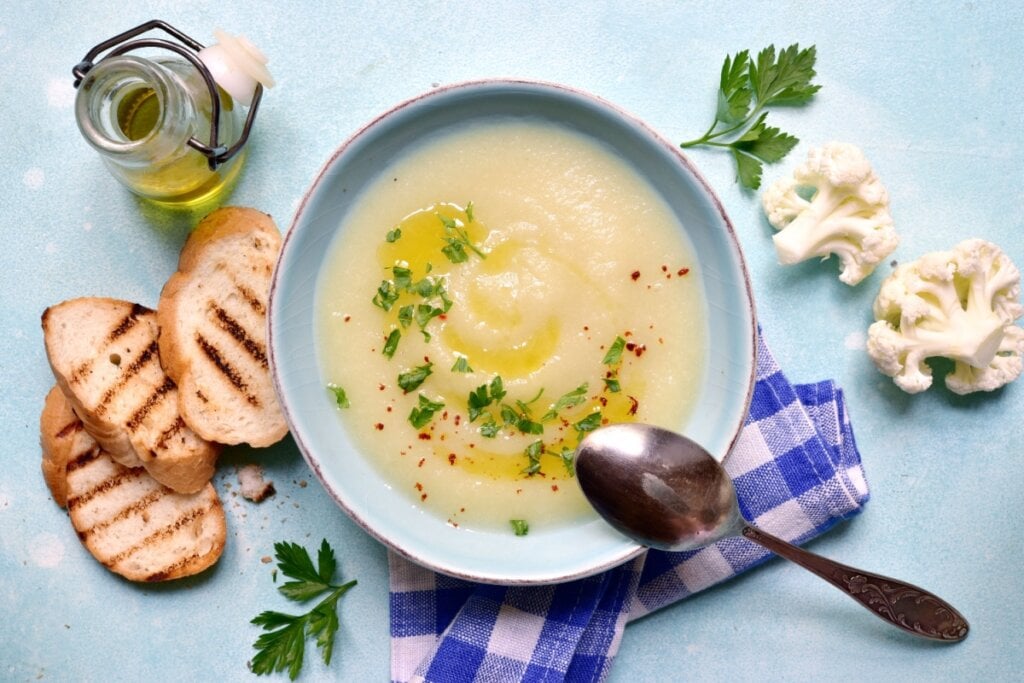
{"points": [[104, 354], [60, 434], [133, 525], [213, 317]]}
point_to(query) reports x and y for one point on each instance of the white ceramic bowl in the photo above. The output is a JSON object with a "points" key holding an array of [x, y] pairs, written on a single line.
{"points": [[542, 556]]}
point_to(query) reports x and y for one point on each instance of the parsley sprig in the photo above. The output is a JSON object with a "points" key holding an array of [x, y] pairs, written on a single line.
{"points": [[283, 646], [746, 88]]}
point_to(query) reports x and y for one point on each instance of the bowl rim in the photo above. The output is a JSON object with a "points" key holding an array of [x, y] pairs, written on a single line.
{"points": [[631, 549]]}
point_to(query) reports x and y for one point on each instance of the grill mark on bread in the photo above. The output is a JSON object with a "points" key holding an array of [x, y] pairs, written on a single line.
{"points": [[251, 298], [71, 428], [182, 520], [177, 426], [107, 484], [82, 459], [127, 323], [238, 333], [171, 569], [213, 355], [139, 415], [149, 354], [138, 506]]}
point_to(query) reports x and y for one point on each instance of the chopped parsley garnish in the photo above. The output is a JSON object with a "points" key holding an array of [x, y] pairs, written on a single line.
{"points": [[490, 428], [457, 241], [483, 396], [568, 457], [392, 343], [393, 235], [614, 354], [340, 397], [283, 645], [423, 413], [569, 400], [533, 453], [411, 379], [469, 211], [519, 526], [612, 384], [589, 423], [405, 315], [521, 420], [386, 295], [462, 365]]}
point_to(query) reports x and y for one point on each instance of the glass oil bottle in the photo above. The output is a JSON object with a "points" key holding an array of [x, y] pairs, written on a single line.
{"points": [[159, 122]]}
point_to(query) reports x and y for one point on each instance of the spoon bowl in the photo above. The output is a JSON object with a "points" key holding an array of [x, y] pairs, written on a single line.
{"points": [[667, 492]]}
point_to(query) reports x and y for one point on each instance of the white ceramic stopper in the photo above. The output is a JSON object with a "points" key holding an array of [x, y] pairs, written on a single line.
{"points": [[236, 65]]}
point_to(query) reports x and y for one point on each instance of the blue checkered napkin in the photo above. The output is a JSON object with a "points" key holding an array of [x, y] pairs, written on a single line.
{"points": [[797, 472]]}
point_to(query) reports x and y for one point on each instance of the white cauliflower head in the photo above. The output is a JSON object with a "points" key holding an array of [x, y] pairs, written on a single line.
{"points": [[959, 304], [833, 204]]}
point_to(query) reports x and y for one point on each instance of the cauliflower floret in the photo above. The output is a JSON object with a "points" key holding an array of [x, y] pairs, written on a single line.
{"points": [[833, 204], [959, 304]]}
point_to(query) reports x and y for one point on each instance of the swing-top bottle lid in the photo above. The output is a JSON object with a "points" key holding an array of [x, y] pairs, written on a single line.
{"points": [[236, 65]]}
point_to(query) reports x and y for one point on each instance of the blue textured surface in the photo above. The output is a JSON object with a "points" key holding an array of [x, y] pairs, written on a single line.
{"points": [[929, 91]]}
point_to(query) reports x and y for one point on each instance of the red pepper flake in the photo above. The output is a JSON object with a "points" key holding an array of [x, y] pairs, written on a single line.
{"points": [[635, 275], [451, 458], [683, 271], [379, 426], [347, 318], [454, 524], [424, 436], [443, 316], [664, 269], [518, 491], [420, 463], [640, 350], [426, 359], [444, 415], [634, 404], [462, 509], [458, 420], [423, 497], [631, 346], [419, 486], [586, 328], [603, 401], [627, 333], [389, 409], [381, 387], [554, 487]]}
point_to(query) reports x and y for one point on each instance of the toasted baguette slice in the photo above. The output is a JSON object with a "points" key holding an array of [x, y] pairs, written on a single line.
{"points": [[213, 318], [61, 435], [104, 355], [129, 522]]}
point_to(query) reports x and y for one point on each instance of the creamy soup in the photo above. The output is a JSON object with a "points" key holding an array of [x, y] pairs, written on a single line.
{"points": [[496, 294]]}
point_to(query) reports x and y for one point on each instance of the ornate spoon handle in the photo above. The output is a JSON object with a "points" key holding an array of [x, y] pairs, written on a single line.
{"points": [[901, 604]]}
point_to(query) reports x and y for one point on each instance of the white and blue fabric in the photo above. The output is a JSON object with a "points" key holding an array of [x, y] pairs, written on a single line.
{"points": [[797, 473]]}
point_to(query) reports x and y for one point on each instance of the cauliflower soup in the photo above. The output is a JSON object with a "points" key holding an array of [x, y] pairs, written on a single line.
{"points": [[492, 296]]}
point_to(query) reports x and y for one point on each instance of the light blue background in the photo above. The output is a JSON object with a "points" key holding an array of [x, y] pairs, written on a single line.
{"points": [[930, 91]]}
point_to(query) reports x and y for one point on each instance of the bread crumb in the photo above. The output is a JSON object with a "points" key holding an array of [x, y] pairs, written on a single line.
{"points": [[266, 559], [254, 486]]}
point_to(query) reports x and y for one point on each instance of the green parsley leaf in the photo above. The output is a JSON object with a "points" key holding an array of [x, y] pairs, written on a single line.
{"points": [[533, 453], [386, 296], [462, 365], [411, 379], [405, 315], [391, 344], [589, 423], [568, 400], [423, 413], [457, 241], [489, 429], [469, 211], [497, 388], [340, 397], [568, 457], [283, 645], [519, 527], [612, 384], [614, 354], [746, 88], [393, 235], [403, 277]]}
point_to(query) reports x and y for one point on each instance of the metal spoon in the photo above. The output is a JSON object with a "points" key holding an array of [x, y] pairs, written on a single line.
{"points": [[665, 491]]}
